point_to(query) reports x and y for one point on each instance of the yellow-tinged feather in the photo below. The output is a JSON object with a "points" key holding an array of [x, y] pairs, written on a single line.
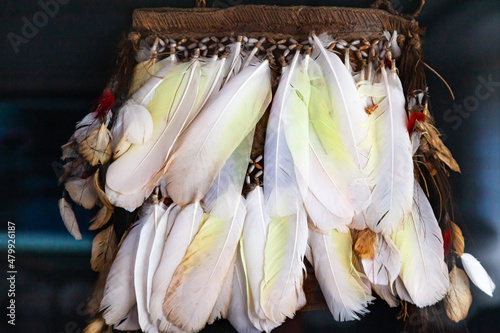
{"points": [[344, 288], [281, 289], [390, 167], [216, 132], [420, 242], [202, 272], [143, 72], [133, 176]]}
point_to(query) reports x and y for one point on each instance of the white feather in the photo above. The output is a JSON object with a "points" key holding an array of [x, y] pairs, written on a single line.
{"points": [[282, 191], [209, 257], [346, 294], [348, 112], [233, 63], [185, 227], [386, 294], [131, 323], [238, 313], [319, 215], [145, 94], [119, 294], [252, 247], [132, 177], [477, 274], [161, 232], [216, 133], [203, 271], [281, 288], [384, 268], [290, 103], [137, 123], [144, 247], [420, 242], [391, 165], [221, 307], [210, 83]]}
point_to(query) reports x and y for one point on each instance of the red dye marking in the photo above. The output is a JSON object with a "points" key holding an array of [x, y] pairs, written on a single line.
{"points": [[446, 241], [413, 118], [103, 104], [387, 62]]}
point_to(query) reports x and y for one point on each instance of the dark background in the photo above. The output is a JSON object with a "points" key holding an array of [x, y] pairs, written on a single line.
{"points": [[51, 81]]}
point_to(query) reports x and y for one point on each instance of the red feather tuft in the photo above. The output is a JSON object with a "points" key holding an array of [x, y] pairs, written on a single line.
{"points": [[104, 103], [446, 241], [413, 118]]}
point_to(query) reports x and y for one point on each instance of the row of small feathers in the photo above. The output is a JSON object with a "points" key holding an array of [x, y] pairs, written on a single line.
{"points": [[337, 184]]}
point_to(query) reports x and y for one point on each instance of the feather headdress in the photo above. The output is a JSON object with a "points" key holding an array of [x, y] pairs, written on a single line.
{"points": [[241, 161]]}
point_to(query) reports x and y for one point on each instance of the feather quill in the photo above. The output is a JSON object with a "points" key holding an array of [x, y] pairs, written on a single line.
{"points": [[234, 62], [346, 294], [210, 83], [420, 242]]}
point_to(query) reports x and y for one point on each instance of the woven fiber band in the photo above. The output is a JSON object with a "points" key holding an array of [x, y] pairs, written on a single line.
{"points": [[272, 21]]}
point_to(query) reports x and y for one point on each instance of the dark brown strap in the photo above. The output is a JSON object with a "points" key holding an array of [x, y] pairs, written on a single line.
{"points": [[387, 6]]}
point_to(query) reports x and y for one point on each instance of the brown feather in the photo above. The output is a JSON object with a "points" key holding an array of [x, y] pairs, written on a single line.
{"points": [[458, 299], [82, 191], [103, 216], [103, 249], [365, 244], [96, 148], [457, 239], [100, 192]]}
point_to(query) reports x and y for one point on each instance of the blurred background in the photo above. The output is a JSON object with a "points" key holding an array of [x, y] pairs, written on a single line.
{"points": [[49, 80]]}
